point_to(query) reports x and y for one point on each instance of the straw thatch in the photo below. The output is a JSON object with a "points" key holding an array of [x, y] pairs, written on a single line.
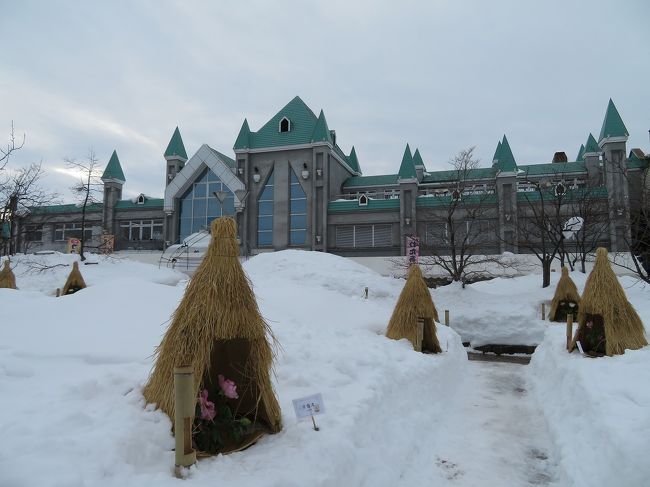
{"points": [[604, 301], [217, 329], [566, 292], [7, 277], [75, 281], [415, 302]]}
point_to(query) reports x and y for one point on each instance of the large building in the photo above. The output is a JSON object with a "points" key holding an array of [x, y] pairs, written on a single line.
{"points": [[290, 185]]}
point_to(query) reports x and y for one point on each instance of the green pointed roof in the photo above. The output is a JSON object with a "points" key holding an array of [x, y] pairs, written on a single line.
{"points": [[321, 132], [613, 125], [495, 158], [505, 160], [417, 159], [175, 148], [407, 168], [353, 162], [581, 154], [244, 138], [114, 169], [592, 145], [302, 124]]}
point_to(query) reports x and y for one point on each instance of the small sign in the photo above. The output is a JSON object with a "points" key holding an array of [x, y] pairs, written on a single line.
{"points": [[309, 406], [73, 245], [413, 249]]}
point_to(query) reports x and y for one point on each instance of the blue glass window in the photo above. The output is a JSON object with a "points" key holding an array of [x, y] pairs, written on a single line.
{"points": [[265, 215], [199, 205], [297, 212]]}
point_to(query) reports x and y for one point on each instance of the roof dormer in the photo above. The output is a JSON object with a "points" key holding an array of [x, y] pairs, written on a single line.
{"points": [[285, 125]]}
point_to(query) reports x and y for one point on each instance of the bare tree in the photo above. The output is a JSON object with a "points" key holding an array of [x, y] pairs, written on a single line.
{"points": [[461, 223], [587, 227], [12, 146], [18, 197], [86, 190]]}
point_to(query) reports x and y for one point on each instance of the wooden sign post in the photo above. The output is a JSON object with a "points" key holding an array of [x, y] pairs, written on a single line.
{"points": [[447, 317], [184, 406], [543, 311], [419, 335], [569, 330]]}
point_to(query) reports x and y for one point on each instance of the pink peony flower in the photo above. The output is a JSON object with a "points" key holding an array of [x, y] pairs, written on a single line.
{"points": [[228, 387], [207, 407]]}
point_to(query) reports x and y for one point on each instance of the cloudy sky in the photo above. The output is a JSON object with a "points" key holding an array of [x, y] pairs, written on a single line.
{"points": [[440, 75]]}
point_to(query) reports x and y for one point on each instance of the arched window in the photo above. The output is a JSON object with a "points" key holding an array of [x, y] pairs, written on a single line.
{"points": [[199, 205], [297, 212], [285, 124], [265, 215]]}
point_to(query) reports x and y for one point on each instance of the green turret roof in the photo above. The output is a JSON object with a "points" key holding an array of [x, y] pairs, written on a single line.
{"points": [[417, 159], [581, 154], [495, 157], [321, 132], [504, 159], [592, 145], [407, 168], [613, 125], [114, 169], [353, 162], [244, 138], [175, 148]]}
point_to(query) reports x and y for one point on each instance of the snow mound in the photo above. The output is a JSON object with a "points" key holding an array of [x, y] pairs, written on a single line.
{"points": [[73, 368]]}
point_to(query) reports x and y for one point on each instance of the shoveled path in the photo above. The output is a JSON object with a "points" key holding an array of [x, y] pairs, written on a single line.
{"points": [[492, 435]]}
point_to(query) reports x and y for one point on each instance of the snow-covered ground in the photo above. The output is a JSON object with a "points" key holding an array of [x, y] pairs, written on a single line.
{"points": [[72, 368]]}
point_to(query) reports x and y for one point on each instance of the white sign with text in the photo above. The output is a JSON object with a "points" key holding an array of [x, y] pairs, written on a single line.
{"points": [[308, 406]]}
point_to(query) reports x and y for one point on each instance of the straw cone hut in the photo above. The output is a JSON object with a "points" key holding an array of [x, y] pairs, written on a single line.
{"points": [[217, 329], [415, 302], [607, 322], [7, 278], [75, 281], [566, 299]]}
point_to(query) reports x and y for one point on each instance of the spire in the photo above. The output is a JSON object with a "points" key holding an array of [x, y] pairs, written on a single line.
{"points": [[176, 149], [407, 168], [613, 125], [417, 160], [114, 169], [505, 160], [581, 154], [495, 158], [353, 162], [244, 138], [592, 145], [321, 131]]}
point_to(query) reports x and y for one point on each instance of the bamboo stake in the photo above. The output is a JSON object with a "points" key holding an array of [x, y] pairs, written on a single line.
{"points": [[58, 292], [543, 311], [569, 330], [420, 335], [366, 293], [447, 317], [184, 417]]}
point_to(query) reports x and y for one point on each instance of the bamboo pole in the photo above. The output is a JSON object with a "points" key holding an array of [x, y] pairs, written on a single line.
{"points": [[543, 311], [366, 293], [184, 417], [419, 338], [569, 330], [447, 317]]}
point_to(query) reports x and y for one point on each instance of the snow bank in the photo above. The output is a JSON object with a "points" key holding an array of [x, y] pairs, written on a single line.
{"points": [[72, 369], [45, 273], [598, 410]]}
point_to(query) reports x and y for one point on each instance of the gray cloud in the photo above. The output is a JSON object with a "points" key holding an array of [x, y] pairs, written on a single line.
{"points": [[439, 75]]}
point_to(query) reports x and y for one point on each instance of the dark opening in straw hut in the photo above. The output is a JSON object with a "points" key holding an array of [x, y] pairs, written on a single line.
{"points": [[75, 281], [7, 277], [566, 299], [218, 330], [607, 322], [415, 314]]}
